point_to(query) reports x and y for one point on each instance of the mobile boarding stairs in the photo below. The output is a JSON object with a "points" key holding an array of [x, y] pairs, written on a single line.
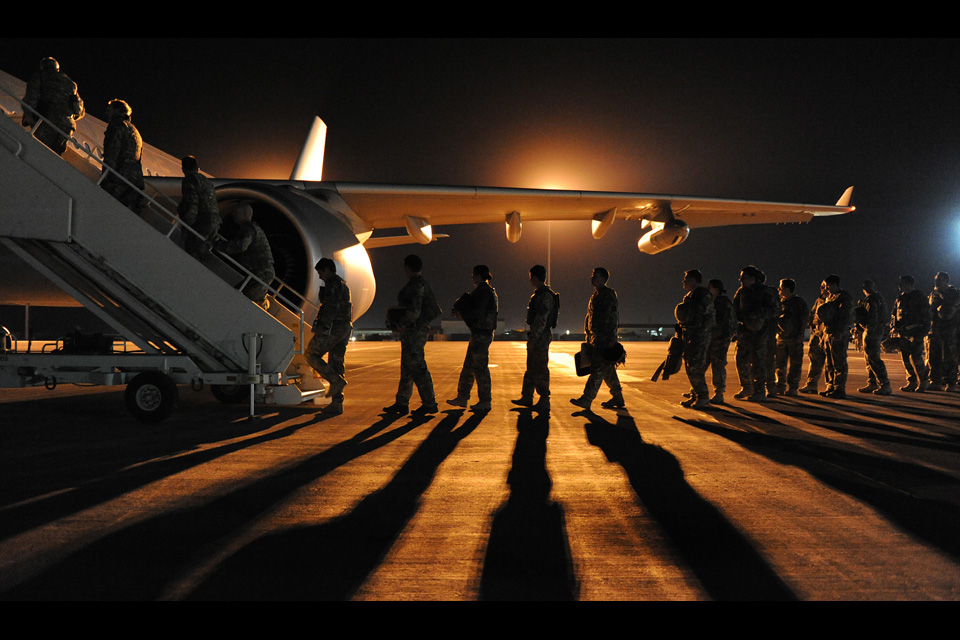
{"points": [[190, 325]]}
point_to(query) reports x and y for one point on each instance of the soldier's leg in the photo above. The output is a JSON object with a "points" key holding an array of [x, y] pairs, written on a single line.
{"points": [[783, 362], [538, 365], [407, 360], [481, 361], [744, 366], [467, 373]]}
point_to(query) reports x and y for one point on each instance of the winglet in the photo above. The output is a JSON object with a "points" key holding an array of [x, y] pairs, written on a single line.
{"points": [[309, 165], [844, 200]]}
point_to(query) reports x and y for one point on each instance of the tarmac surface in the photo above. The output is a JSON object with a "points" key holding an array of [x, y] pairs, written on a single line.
{"points": [[790, 499]]}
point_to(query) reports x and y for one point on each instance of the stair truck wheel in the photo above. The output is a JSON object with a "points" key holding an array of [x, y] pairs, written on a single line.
{"points": [[151, 396], [231, 393]]}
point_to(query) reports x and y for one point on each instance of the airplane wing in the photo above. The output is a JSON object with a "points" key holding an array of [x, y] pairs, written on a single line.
{"points": [[387, 206]]}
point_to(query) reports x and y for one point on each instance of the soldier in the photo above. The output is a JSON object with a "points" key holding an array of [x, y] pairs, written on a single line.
{"points": [[54, 96], [770, 363], [331, 333], [754, 306], [910, 322], [791, 325], [479, 310], [871, 327], [542, 313], [837, 317], [197, 208], [815, 350], [122, 148], [600, 326], [417, 307], [248, 244], [720, 336], [696, 319], [942, 340]]}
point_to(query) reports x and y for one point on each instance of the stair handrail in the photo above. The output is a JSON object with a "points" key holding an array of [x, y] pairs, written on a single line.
{"points": [[173, 218]]}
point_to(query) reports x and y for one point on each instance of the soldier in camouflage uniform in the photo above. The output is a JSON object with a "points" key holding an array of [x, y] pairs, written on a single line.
{"points": [[541, 320], [815, 350], [479, 311], [122, 148], [720, 336], [871, 326], [417, 307], [754, 306], [600, 326], [837, 314], [248, 244], [770, 363], [198, 209], [696, 319], [942, 340], [910, 322], [331, 333], [791, 325], [54, 96]]}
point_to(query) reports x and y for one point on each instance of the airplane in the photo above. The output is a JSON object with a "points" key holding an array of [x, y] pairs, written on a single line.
{"points": [[306, 218]]}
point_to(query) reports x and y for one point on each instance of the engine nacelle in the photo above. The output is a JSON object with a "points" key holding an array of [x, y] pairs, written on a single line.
{"points": [[302, 229], [669, 235]]}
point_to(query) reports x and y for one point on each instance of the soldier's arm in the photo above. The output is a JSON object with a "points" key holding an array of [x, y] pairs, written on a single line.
{"points": [[538, 323], [238, 244]]}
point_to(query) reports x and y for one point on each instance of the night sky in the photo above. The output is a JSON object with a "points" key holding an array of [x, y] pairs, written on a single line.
{"points": [[782, 120]]}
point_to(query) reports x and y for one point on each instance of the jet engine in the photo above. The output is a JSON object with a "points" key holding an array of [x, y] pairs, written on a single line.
{"points": [[663, 236], [302, 228]]}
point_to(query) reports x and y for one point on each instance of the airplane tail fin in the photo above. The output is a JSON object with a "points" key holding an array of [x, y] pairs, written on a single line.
{"points": [[309, 165], [844, 200]]}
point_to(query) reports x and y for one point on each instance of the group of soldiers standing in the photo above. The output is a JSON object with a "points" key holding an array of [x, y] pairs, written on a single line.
{"points": [[768, 327], [53, 95]]}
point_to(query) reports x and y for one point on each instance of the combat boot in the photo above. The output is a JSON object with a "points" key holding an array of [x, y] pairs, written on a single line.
{"points": [[910, 387], [523, 401], [397, 408], [717, 398], [809, 388], [616, 402], [427, 409], [936, 386], [743, 394], [481, 407], [335, 408], [458, 402], [583, 402], [884, 389], [870, 388], [792, 392], [924, 385], [543, 405]]}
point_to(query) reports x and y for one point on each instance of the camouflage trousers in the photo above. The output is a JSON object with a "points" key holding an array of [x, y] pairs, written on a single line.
{"points": [[413, 367], [835, 348], [876, 369], [48, 136], [207, 227], [334, 344], [601, 371], [770, 361], [717, 357], [695, 363], [476, 368], [537, 376], [752, 360], [789, 364], [942, 357], [911, 354], [818, 358]]}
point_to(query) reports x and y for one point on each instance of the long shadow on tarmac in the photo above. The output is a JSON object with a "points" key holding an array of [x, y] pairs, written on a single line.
{"points": [[141, 561], [528, 554], [332, 560], [889, 485], [725, 563], [78, 464]]}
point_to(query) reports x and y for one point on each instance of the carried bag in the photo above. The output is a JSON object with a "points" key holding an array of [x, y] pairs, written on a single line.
{"points": [[673, 362], [582, 359]]}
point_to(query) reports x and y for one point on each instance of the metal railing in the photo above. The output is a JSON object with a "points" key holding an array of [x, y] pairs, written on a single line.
{"points": [[175, 220]]}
